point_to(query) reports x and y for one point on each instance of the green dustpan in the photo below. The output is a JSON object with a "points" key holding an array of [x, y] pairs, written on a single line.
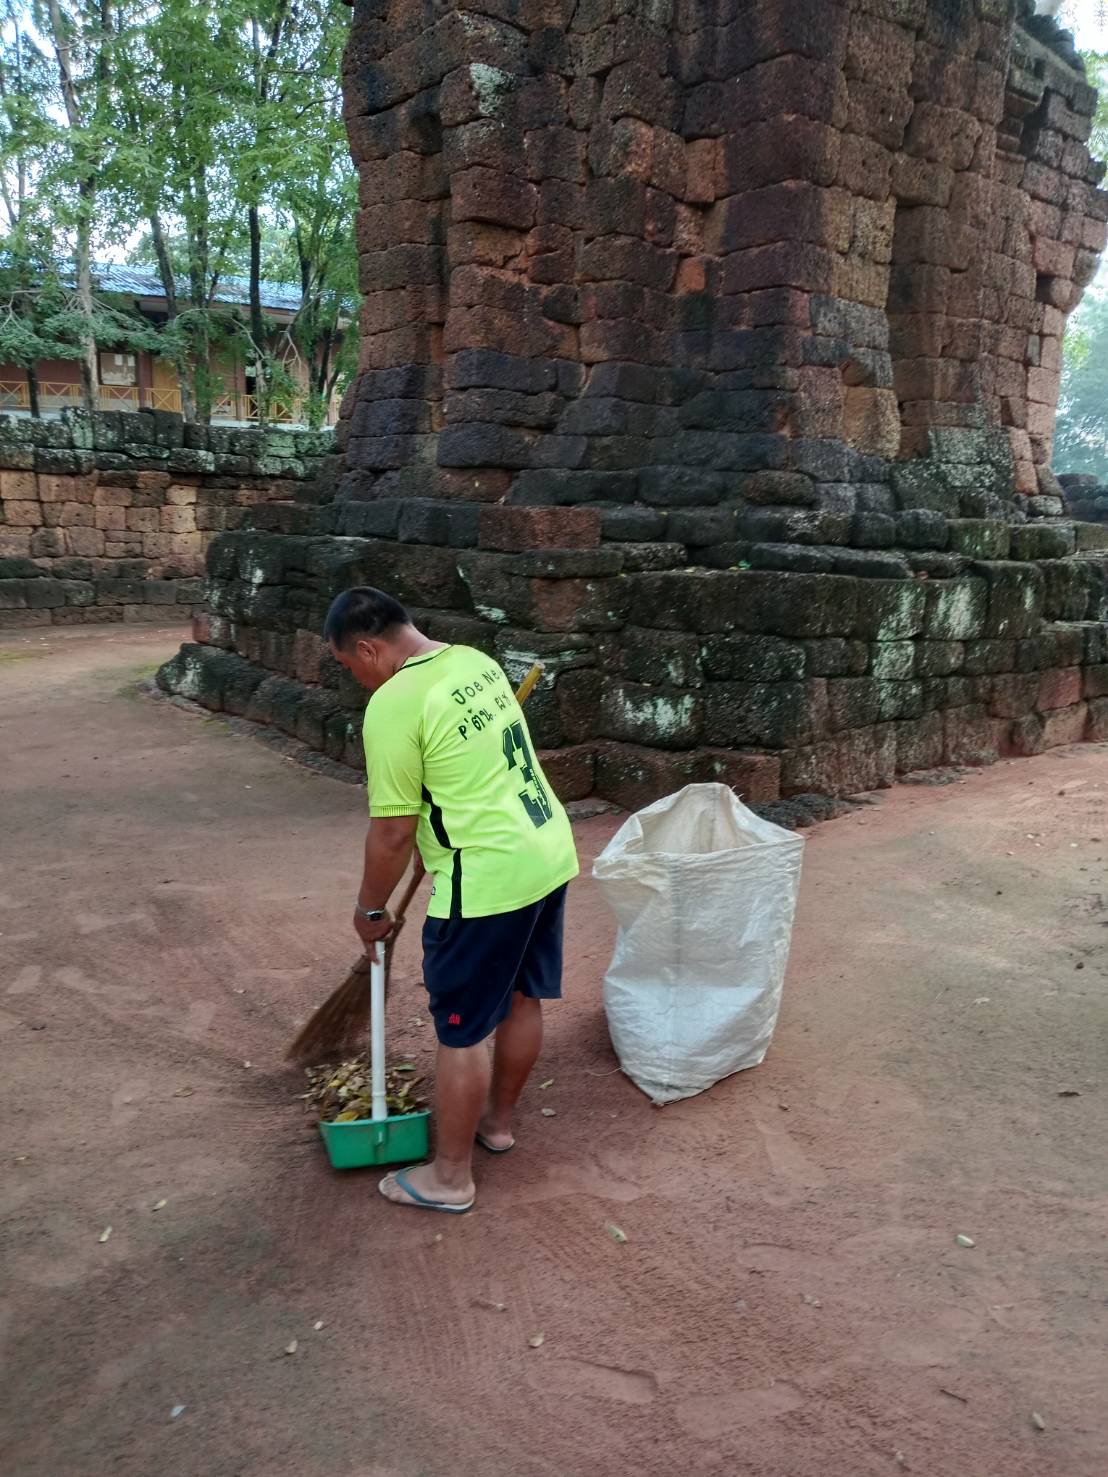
{"points": [[401, 1139], [384, 1138]]}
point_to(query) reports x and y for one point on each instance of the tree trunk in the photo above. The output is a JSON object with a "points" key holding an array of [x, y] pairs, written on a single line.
{"points": [[165, 266], [90, 376], [86, 187], [32, 392], [257, 326], [322, 364], [264, 63], [169, 288], [198, 248]]}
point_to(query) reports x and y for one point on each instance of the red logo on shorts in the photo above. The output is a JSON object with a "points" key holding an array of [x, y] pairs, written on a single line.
{"points": [[454, 1020]]}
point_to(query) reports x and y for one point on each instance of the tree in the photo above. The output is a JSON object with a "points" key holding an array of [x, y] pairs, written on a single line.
{"points": [[180, 95], [318, 201], [295, 175], [43, 315], [26, 259], [81, 33], [217, 127], [1081, 424], [265, 50], [34, 323], [325, 263], [1081, 428]]}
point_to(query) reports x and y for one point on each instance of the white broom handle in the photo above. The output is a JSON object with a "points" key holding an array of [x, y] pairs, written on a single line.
{"points": [[377, 1033]]}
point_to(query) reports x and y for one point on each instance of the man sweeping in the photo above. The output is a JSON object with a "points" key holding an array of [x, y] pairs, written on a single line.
{"points": [[451, 770]]}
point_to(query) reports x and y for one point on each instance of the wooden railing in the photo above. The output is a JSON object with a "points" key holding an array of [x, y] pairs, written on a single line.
{"points": [[14, 395], [164, 400], [59, 394], [236, 405]]}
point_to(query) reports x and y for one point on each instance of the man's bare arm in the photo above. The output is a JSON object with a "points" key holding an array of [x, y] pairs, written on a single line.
{"points": [[388, 846]]}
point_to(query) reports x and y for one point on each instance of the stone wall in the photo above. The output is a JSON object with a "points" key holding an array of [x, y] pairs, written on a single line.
{"points": [[1086, 497], [108, 519], [658, 672], [709, 355]]}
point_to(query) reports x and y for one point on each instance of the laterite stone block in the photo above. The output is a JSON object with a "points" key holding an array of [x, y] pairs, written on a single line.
{"points": [[515, 530]]}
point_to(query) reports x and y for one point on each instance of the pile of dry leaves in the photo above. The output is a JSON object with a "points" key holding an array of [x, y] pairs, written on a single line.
{"points": [[341, 1094]]}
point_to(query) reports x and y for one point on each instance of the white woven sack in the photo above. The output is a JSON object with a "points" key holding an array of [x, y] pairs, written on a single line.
{"points": [[704, 892]]}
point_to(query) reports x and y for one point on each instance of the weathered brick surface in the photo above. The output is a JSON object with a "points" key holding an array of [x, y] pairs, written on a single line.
{"points": [[119, 521], [521, 529], [710, 358]]}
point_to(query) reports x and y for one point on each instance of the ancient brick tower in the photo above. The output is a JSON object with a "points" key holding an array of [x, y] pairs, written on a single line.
{"points": [[710, 354], [787, 216]]}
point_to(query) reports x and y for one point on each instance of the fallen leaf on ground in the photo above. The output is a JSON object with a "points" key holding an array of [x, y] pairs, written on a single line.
{"points": [[105, 1233], [549, 1112], [184, 1092], [159, 1205], [318, 1325], [1069, 1092], [548, 1083], [1037, 1421], [616, 1234], [487, 1303], [961, 1240], [248, 1064], [175, 1411], [537, 1340], [812, 1302], [291, 1346]]}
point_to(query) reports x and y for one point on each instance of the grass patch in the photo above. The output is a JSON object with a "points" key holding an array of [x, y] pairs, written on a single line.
{"points": [[141, 674]]}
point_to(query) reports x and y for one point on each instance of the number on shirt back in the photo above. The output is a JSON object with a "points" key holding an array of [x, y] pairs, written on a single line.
{"points": [[536, 802]]}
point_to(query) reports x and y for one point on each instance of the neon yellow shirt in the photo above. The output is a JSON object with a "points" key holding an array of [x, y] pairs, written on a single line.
{"points": [[446, 740]]}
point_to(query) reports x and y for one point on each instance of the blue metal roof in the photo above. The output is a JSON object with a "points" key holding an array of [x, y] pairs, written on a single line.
{"points": [[146, 282]]}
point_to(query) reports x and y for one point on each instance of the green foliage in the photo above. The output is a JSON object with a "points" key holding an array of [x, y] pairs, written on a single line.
{"points": [[1081, 429], [1096, 70], [189, 130]]}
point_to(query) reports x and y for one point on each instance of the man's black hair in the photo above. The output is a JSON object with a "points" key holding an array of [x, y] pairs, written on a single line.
{"points": [[362, 612]]}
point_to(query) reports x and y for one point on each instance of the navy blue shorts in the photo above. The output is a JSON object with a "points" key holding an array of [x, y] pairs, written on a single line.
{"points": [[473, 966]]}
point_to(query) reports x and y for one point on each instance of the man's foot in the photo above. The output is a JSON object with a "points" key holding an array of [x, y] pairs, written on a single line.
{"points": [[494, 1136], [420, 1186]]}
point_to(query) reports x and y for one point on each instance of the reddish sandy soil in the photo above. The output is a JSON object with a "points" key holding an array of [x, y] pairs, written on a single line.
{"points": [[790, 1301]]}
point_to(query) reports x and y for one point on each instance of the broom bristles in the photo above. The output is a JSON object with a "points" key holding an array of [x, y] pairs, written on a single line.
{"points": [[339, 1024]]}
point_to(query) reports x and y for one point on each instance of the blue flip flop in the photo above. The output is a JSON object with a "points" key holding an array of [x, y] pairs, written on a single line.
{"points": [[422, 1200]]}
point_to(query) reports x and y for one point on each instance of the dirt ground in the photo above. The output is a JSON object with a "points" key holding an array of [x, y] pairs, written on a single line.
{"points": [[790, 1300]]}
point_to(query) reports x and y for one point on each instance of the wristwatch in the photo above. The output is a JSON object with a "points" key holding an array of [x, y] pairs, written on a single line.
{"points": [[371, 915]]}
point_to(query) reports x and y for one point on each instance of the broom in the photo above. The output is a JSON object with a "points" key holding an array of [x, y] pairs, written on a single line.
{"points": [[338, 1027]]}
